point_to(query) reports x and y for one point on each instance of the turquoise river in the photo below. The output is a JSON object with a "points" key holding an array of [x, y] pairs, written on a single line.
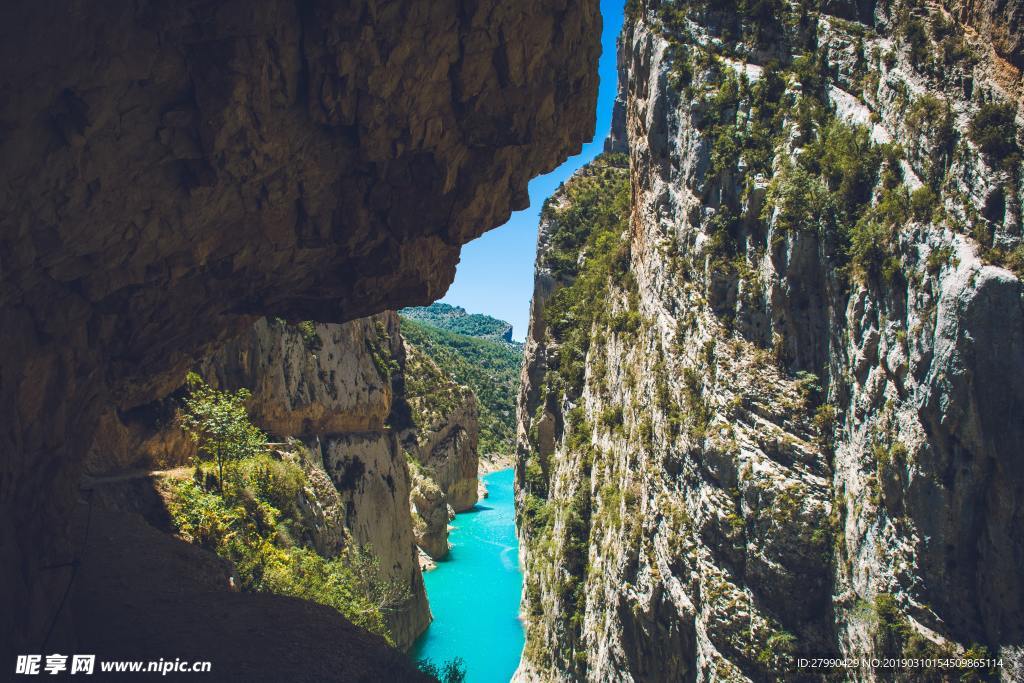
{"points": [[474, 592]]}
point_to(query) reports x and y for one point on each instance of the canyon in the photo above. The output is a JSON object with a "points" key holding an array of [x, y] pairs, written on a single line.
{"points": [[386, 462], [770, 399]]}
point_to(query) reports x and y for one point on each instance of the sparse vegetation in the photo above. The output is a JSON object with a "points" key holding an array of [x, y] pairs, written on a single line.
{"points": [[452, 671], [249, 515]]}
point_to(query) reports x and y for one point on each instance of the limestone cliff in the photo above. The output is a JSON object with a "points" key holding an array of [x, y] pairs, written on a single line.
{"points": [[173, 171], [441, 444], [379, 428], [332, 393], [791, 425]]}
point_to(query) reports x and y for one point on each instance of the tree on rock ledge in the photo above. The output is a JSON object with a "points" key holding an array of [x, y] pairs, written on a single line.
{"points": [[219, 424]]}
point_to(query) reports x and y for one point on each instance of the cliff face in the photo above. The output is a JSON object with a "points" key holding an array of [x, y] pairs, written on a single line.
{"points": [[173, 172], [336, 390], [441, 445], [335, 387], [791, 425]]}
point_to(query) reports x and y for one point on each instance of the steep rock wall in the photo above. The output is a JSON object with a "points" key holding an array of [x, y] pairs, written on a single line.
{"points": [[174, 171], [445, 417], [441, 442], [334, 387], [790, 429]]}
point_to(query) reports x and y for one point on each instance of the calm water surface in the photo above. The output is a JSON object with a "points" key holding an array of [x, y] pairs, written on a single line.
{"points": [[474, 592]]}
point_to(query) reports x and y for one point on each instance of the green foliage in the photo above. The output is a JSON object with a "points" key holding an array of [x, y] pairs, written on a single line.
{"points": [[923, 203], [844, 156], [626, 322], [891, 629], [930, 121], [219, 424], [432, 394], [307, 328], [452, 671], [455, 319], [917, 40], [825, 418], [591, 219], [994, 129], [939, 258], [379, 347], [489, 368], [893, 636], [611, 417], [801, 201], [873, 247], [870, 251], [252, 521], [779, 647]]}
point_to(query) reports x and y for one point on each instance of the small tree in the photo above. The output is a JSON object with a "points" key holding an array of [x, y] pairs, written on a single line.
{"points": [[219, 424]]}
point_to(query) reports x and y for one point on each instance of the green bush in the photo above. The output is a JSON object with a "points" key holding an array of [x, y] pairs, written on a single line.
{"points": [[247, 522], [930, 121], [938, 258], [218, 422], [307, 328], [849, 162], [871, 252], [452, 671], [891, 629], [801, 202], [994, 129], [923, 203]]}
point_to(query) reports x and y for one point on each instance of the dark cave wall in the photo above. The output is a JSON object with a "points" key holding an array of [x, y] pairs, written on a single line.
{"points": [[173, 170]]}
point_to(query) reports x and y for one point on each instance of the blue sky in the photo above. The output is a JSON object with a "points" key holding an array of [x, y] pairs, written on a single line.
{"points": [[495, 275]]}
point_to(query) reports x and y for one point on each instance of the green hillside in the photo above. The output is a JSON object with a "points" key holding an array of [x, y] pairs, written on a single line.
{"points": [[455, 319], [488, 366]]}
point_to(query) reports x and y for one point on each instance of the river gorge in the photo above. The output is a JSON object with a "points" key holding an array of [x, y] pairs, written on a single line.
{"points": [[474, 592]]}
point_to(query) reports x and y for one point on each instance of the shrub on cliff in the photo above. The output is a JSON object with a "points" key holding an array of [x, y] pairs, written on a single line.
{"points": [[252, 518], [219, 424], [994, 130], [452, 671]]}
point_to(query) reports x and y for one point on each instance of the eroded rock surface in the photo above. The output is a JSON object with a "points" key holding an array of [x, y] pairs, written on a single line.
{"points": [[441, 442], [172, 172], [769, 440]]}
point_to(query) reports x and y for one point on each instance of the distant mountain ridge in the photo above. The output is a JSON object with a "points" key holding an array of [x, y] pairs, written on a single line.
{"points": [[456, 319], [476, 351]]}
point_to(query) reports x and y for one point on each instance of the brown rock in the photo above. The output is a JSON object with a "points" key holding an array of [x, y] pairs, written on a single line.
{"points": [[174, 170]]}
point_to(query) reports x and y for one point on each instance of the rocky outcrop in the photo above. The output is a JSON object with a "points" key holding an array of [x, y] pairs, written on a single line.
{"points": [[377, 427], [444, 442], [788, 428], [175, 171], [998, 21], [431, 514], [140, 593], [441, 444], [326, 393], [333, 387]]}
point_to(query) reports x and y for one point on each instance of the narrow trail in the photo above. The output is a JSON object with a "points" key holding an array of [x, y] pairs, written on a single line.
{"points": [[89, 481]]}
